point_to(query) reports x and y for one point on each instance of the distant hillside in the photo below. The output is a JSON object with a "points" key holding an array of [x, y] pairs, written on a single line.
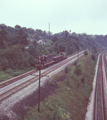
{"points": [[19, 48]]}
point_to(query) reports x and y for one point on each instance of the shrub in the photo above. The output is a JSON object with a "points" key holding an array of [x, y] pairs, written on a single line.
{"points": [[66, 69], [55, 115], [75, 63], [78, 70], [4, 76], [9, 71], [85, 53], [14, 72], [93, 57], [52, 82]]}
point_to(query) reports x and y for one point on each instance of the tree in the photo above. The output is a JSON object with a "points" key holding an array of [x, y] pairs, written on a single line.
{"points": [[93, 57], [3, 37], [78, 70], [14, 55], [36, 36], [85, 53], [54, 39], [20, 38], [66, 33], [94, 49], [17, 27]]}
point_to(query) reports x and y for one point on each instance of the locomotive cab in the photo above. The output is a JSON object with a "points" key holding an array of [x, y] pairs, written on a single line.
{"points": [[63, 54]]}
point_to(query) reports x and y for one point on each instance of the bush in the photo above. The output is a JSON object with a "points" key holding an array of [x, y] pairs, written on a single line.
{"points": [[52, 82], [85, 53], [66, 69], [78, 70], [14, 72], [18, 72], [93, 57], [55, 115], [75, 63], [4, 76], [9, 71]]}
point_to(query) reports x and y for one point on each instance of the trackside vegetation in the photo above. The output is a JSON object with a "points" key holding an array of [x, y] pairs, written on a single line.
{"points": [[72, 96], [21, 46]]}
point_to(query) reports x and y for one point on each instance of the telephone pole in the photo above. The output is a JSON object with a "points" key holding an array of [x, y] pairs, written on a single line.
{"points": [[39, 92], [39, 68]]}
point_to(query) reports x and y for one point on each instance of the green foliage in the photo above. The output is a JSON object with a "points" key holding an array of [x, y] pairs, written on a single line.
{"points": [[93, 57], [20, 38], [55, 115], [3, 36], [71, 98], [52, 82], [4, 76], [85, 53], [75, 63], [14, 72], [94, 50], [78, 70], [66, 69], [54, 39], [19, 48]]}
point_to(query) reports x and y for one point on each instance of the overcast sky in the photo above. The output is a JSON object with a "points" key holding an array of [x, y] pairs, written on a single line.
{"points": [[80, 16]]}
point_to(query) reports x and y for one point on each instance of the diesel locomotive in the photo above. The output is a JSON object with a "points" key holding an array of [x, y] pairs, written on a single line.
{"points": [[47, 60]]}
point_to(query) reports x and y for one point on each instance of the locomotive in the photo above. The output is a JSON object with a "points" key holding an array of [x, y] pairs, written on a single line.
{"points": [[47, 60]]}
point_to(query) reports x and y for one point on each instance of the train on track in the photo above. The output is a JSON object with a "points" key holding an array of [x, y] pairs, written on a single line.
{"points": [[47, 60]]}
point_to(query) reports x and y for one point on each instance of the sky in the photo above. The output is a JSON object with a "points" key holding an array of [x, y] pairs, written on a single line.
{"points": [[80, 16]]}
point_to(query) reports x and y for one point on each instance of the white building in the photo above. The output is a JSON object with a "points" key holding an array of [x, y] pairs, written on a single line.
{"points": [[41, 42]]}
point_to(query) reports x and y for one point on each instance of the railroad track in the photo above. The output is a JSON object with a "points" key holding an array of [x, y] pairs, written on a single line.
{"points": [[99, 106], [14, 79], [105, 64], [7, 93]]}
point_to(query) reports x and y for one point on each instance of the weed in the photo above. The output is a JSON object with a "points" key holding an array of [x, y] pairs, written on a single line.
{"points": [[72, 96], [66, 69], [78, 70], [4, 76], [52, 82]]}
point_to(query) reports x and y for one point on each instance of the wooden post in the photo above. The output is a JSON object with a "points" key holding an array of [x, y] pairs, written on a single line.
{"points": [[39, 87]]}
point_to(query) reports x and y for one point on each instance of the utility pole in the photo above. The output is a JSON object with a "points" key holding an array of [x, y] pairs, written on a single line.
{"points": [[39, 68]]}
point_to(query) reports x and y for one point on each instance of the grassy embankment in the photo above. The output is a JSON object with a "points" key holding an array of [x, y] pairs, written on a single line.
{"points": [[9, 73], [72, 97]]}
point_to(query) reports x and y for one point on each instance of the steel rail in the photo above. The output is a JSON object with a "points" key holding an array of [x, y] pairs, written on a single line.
{"points": [[10, 92], [14, 79], [99, 113]]}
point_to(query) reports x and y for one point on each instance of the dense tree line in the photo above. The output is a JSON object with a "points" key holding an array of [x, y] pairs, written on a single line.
{"points": [[19, 48]]}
